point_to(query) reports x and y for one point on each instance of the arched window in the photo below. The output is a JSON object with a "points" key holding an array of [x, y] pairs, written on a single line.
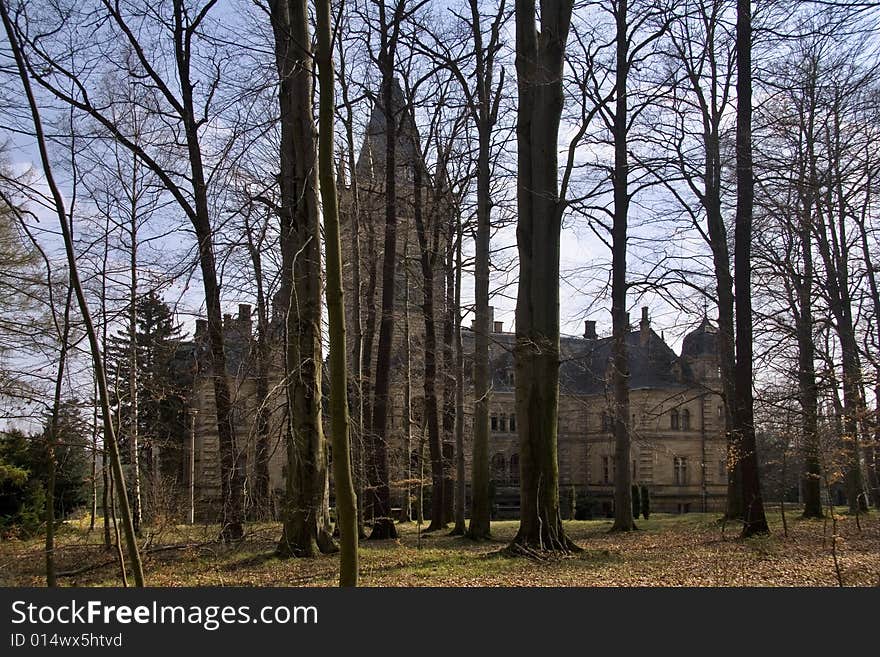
{"points": [[686, 420], [674, 420], [499, 471], [514, 470]]}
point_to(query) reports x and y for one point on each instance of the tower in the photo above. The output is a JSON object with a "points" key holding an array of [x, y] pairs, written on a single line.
{"points": [[700, 352]]}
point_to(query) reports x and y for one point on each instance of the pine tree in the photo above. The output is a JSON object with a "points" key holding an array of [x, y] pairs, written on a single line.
{"points": [[161, 389]]}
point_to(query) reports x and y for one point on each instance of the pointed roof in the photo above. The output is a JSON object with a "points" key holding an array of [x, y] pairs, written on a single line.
{"points": [[371, 160]]}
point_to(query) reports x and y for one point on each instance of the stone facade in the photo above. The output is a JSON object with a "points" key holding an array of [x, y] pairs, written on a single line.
{"points": [[678, 436], [204, 453]]}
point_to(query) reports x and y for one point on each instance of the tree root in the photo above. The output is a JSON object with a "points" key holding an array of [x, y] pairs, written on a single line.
{"points": [[383, 529], [547, 550]]}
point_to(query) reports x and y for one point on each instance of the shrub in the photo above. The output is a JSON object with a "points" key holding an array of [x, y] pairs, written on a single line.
{"points": [[636, 500], [646, 502]]}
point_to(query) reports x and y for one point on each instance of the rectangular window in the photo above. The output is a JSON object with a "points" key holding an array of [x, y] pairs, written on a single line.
{"points": [[494, 422], [606, 470], [503, 423], [512, 423], [680, 474]]}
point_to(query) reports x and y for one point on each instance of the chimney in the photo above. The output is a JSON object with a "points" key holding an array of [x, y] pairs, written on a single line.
{"points": [[201, 327], [498, 327], [227, 321], [590, 329], [644, 327], [493, 325]]}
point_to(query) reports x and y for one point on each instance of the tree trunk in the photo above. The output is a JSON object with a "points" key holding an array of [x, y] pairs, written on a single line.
{"points": [[448, 413], [623, 517], [406, 511], [754, 520], [93, 474], [357, 356], [232, 470], [427, 258], [133, 436], [52, 444], [346, 505], [378, 470], [874, 441], [833, 246], [479, 527], [726, 333], [812, 474], [305, 532], [539, 65], [106, 499], [261, 497], [460, 528]]}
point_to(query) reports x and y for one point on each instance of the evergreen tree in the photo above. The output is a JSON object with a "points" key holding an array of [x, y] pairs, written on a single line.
{"points": [[24, 471], [162, 384]]}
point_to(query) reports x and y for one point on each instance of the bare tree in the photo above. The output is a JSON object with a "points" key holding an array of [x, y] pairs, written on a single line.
{"points": [[187, 93], [305, 529], [754, 520], [539, 62], [345, 496], [378, 475], [97, 357]]}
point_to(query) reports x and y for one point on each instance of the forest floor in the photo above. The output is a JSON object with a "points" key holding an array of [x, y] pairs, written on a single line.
{"points": [[668, 550]]}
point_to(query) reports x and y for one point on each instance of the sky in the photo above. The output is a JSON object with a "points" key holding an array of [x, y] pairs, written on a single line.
{"points": [[580, 248]]}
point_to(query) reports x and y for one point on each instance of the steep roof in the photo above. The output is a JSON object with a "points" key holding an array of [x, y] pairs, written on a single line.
{"points": [[584, 363], [371, 160]]}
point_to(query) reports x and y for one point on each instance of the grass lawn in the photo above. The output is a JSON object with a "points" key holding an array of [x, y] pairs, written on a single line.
{"points": [[668, 550]]}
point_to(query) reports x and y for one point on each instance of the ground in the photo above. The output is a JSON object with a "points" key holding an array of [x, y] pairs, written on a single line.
{"points": [[668, 550]]}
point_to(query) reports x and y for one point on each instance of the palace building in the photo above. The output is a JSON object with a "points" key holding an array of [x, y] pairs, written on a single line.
{"points": [[677, 424]]}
